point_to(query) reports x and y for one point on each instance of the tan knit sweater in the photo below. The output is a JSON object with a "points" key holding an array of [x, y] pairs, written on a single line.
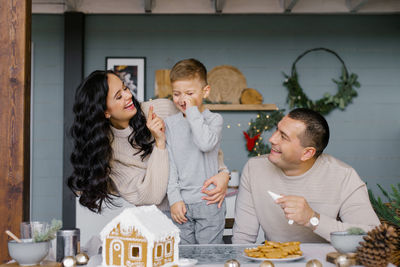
{"points": [[331, 188], [143, 182]]}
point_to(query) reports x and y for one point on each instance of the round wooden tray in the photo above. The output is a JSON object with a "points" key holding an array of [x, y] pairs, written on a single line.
{"points": [[42, 264], [227, 83]]}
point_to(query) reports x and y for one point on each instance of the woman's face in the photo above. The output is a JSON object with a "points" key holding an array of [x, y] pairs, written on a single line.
{"points": [[120, 108]]}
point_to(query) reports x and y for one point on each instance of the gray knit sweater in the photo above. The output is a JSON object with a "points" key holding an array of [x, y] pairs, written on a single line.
{"points": [[193, 143]]}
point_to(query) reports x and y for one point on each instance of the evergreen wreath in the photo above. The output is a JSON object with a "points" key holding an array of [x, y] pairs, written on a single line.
{"points": [[264, 122], [346, 92], [297, 98]]}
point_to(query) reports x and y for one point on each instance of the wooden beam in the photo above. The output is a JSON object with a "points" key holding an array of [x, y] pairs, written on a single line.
{"points": [[15, 54], [355, 5]]}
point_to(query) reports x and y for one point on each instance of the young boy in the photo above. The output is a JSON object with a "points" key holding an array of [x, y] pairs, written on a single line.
{"points": [[193, 140]]}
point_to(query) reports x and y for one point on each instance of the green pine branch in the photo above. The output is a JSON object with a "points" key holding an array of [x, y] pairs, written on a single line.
{"points": [[49, 234], [387, 212]]}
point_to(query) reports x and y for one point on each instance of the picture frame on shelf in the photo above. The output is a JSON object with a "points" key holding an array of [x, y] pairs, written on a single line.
{"points": [[132, 71]]}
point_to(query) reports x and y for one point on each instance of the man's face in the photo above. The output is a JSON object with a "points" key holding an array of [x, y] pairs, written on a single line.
{"points": [[286, 148]]}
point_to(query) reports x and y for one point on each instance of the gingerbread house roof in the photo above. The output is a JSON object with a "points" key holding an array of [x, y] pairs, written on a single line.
{"points": [[149, 221]]}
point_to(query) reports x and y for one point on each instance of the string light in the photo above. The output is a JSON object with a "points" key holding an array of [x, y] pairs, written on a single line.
{"points": [[249, 123], [238, 124], [228, 126], [258, 116]]}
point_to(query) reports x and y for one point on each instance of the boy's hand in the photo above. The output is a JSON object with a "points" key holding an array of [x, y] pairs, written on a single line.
{"points": [[188, 102], [178, 211]]}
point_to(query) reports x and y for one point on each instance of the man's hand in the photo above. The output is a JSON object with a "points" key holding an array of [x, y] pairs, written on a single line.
{"points": [[296, 208], [178, 211], [216, 195]]}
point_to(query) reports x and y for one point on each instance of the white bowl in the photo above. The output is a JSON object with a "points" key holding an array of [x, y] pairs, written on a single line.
{"points": [[28, 252], [344, 242]]}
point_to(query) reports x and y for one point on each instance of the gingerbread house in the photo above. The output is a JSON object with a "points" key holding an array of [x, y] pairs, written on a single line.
{"points": [[140, 236]]}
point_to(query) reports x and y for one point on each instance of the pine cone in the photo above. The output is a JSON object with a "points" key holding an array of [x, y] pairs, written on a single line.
{"points": [[378, 246]]}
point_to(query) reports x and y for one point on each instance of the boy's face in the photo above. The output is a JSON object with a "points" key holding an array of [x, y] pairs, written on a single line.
{"points": [[188, 93]]}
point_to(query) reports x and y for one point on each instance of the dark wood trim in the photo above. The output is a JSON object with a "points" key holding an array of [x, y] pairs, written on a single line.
{"points": [[74, 25], [15, 58]]}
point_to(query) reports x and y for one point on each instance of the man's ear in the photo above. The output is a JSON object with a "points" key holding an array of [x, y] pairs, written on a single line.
{"points": [[206, 91], [308, 153]]}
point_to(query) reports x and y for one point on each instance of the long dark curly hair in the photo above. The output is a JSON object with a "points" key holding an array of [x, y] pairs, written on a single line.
{"points": [[92, 136]]}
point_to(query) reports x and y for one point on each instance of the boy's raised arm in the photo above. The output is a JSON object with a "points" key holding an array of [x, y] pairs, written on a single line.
{"points": [[206, 136]]}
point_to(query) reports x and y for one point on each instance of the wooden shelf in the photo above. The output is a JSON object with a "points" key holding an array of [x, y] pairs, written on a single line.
{"points": [[240, 107]]}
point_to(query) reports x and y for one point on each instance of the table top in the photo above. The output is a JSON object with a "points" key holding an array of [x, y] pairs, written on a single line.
{"points": [[217, 255]]}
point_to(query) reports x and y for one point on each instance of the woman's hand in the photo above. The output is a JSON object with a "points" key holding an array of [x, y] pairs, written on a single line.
{"points": [[216, 195], [157, 128], [178, 211]]}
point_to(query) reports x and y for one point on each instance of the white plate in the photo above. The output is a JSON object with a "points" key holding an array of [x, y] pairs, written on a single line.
{"points": [[276, 260], [186, 262]]}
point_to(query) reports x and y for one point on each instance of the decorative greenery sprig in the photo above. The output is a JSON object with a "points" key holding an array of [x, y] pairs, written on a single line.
{"points": [[264, 122], [49, 234], [356, 231], [390, 211], [346, 92]]}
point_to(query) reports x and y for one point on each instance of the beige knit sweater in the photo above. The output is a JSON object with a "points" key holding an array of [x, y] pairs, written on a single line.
{"points": [[143, 182], [331, 188]]}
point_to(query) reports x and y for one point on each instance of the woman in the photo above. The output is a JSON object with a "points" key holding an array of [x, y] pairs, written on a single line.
{"points": [[118, 152]]}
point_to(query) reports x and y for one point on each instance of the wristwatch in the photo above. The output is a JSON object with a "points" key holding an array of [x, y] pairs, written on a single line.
{"points": [[314, 220]]}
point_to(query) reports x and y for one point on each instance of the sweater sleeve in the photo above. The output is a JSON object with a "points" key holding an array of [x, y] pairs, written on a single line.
{"points": [[221, 165], [173, 192], [356, 211], [143, 187], [162, 107], [205, 136], [246, 226]]}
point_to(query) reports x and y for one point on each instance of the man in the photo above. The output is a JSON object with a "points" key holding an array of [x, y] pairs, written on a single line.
{"points": [[319, 193]]}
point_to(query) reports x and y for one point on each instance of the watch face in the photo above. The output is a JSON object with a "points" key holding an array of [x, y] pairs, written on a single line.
{"points": [[314, 221]]}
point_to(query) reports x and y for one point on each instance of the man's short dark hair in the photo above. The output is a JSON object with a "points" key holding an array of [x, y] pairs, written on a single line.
{"points": [[316, 133]]}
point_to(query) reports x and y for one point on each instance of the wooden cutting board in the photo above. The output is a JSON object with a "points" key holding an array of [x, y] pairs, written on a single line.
{"points": [[162, 86], [43, 264]]}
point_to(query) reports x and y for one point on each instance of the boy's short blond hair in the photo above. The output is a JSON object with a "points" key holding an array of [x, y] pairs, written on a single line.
{"points": [[188, 69]]}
